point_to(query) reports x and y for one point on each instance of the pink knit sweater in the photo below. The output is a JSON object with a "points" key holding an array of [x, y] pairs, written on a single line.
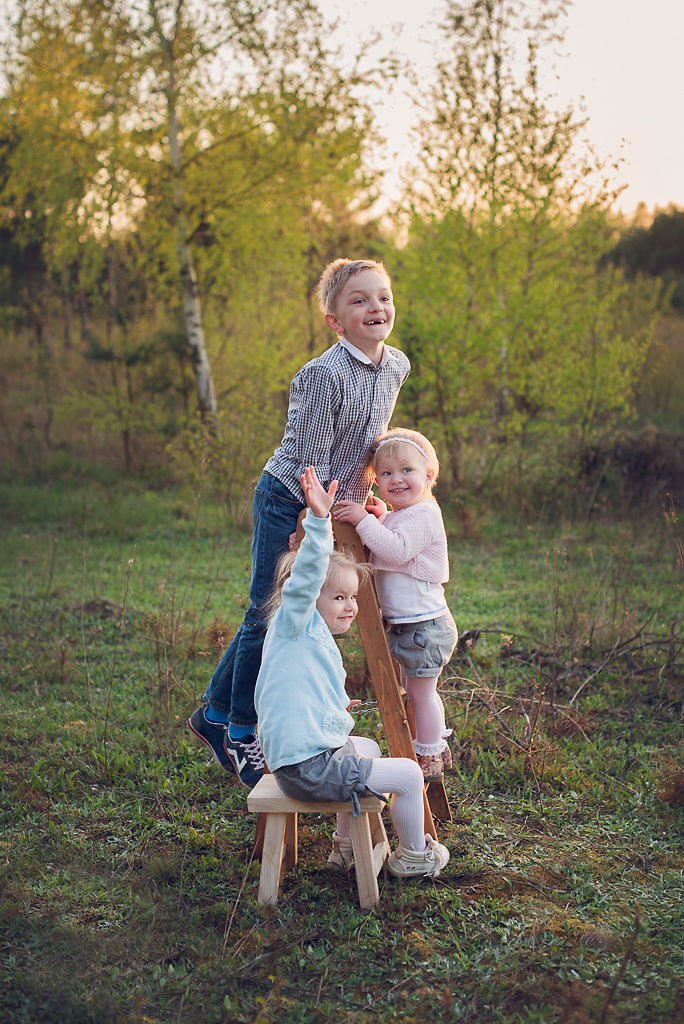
{"points": [[410, 540]]}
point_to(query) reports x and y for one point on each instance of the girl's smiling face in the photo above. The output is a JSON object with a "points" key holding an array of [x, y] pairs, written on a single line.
{"points": [[403, 479], [337, 599]]}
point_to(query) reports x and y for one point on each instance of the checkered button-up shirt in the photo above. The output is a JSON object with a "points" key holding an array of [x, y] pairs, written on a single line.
{"points": [[339, 403]]}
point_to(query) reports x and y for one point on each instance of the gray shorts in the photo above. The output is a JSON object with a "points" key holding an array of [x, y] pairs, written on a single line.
{"points": [[335, 775], [423, 648]]}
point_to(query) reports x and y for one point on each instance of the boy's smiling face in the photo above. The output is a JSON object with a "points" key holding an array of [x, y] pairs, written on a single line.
{"points": [[364, 312]]}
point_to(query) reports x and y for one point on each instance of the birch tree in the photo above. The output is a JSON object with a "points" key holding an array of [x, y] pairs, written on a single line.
{"points": [[146, 94]]}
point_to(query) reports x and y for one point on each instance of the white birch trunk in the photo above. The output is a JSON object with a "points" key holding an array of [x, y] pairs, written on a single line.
{"points": [[192, 310]]}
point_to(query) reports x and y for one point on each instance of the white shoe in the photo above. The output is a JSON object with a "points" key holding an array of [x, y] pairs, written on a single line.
{"points": [[342, 854], [430, 861]]}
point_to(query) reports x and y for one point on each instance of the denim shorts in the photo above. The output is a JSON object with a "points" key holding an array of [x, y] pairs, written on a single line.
{"points": [[423, 648], [335, 775]]}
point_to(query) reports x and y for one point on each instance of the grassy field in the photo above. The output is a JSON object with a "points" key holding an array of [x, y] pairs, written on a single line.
{"points": [[128, 882]]}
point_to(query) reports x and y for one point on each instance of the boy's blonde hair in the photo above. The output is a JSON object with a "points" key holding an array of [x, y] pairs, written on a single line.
{"points": [[336, 275], [390, 443], [341, 558]]}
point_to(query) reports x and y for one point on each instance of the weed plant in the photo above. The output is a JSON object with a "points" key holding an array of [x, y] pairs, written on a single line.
{"points": [[128, 876]]}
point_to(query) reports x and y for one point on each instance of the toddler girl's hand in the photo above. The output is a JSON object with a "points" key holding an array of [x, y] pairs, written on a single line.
{"points": [[376, 506], [350, 512], [317, 498]]}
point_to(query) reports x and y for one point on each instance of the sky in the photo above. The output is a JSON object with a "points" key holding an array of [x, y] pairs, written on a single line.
{"points": [[621, 65]]}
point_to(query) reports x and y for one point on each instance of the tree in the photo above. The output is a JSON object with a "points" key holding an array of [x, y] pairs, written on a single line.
{"points": [[652, 246], [123, 109], [656, 249], [507, 320]]}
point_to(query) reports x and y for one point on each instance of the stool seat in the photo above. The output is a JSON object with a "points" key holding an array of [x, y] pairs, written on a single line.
{"points": [[368, 837]]}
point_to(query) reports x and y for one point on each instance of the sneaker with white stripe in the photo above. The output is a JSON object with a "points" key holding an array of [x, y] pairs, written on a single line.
{"points": [[246, 757]]}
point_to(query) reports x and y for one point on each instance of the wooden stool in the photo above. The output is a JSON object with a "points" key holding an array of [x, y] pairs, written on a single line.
{"points": [[368, 837]]}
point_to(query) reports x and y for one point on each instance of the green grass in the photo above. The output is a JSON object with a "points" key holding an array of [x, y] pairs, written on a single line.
{"points": [[128, 883]]}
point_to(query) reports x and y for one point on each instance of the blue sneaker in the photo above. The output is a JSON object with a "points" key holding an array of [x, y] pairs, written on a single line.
{"points": [[212, 734], [246, 758]]}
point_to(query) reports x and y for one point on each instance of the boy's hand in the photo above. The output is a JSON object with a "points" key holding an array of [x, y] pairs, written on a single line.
{"points": [[317, 498], [350, 512]]}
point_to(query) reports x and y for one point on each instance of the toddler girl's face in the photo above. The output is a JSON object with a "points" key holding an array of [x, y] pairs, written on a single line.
{"points": [[403, 479], [337, 600]]}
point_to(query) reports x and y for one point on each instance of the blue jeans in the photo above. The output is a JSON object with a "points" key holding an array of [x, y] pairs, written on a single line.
{"points": [[275, 512]]}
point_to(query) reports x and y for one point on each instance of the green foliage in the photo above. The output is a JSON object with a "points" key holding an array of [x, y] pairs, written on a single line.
{"points": [[660, 393], [173, 179], [128, 883], [656, 250], [517, 341], [165, 154]]}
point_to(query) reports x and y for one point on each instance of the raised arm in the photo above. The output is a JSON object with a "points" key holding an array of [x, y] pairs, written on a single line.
{"points": [[317, 498]]}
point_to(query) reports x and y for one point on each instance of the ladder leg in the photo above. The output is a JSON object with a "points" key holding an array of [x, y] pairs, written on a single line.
{"points": [[437, 800]]}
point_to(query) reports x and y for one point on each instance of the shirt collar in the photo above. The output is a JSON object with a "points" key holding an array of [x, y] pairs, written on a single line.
{"points": [[361, 356]]}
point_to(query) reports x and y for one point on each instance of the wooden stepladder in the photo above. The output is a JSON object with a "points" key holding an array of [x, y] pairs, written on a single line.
{"points": [[388, 693], [384, 681]]}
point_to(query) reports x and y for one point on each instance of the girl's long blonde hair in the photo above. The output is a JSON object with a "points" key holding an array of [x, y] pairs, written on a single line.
{"points": [[341, 558]]}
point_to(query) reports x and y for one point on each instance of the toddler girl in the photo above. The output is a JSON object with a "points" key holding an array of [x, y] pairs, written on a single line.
{"points": [[301, 702], [409, 555]]}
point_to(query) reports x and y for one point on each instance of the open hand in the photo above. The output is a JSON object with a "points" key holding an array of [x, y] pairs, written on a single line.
{"points": [[317, 498]]}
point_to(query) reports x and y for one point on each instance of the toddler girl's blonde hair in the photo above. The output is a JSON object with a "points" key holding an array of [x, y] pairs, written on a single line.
{"points": [[341, 558], [336, 275], [390, 444]]}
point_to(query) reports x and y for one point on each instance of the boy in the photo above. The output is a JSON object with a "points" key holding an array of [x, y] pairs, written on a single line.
{"points": [[339, 403]]}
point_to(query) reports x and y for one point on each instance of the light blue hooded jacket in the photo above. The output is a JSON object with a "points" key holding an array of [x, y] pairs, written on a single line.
{"points": [[300, 697]]}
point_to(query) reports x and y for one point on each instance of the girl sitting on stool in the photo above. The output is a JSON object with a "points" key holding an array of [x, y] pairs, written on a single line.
{"points": [[304, 724]]}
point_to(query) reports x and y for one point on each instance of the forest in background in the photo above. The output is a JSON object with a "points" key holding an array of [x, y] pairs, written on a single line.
{"points": [[173, 179]]}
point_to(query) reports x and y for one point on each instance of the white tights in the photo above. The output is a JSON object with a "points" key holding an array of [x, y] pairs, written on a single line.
{"points": [[401, 777], [428, 711]]}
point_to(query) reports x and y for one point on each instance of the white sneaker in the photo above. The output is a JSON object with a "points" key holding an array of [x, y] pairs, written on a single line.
{"points": [[409, 862], [342, 854]]}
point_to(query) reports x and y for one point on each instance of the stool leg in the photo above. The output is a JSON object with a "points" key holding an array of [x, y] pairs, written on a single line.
{"points": [[271, 857], [366, 878], [290, 854], [379, 842], [259, 835], [377, 828]]}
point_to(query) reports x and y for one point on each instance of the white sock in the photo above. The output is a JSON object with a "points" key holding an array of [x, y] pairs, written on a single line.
{"points": [[430, 749]]}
